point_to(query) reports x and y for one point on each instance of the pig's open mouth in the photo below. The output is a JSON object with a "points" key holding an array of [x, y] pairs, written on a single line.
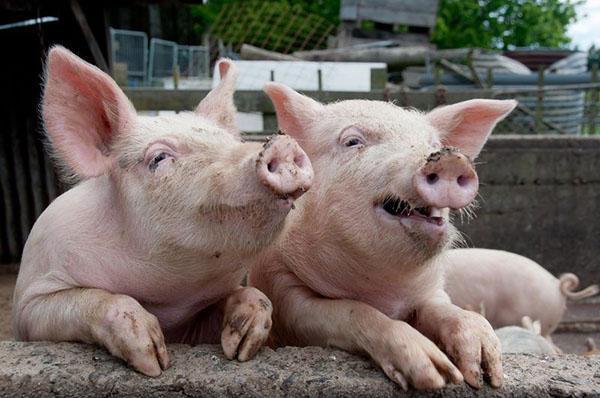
{"points": [[397, 207]]}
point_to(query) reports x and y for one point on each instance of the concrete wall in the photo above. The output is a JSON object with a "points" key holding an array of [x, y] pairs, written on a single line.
{"points": [[540, 197]]}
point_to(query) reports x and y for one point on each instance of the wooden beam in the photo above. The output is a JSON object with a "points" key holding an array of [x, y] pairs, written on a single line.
{"points": [[155, 99], [89, 36], [407, 12]]}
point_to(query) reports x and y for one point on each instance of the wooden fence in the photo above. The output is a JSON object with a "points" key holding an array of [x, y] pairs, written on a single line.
{"points": [[152, 99]]}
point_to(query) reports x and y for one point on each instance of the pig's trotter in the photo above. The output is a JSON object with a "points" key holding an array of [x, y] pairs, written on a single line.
{"points": [[246, 323], [404, 354], [131, 333], [470, 341]]}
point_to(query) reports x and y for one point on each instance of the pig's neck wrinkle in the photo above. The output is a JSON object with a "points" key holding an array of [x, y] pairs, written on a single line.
{"points": [[335, 273]]}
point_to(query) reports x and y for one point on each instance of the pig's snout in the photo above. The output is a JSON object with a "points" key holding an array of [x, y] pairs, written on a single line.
{"points": [[447, 180], [284, 168]]}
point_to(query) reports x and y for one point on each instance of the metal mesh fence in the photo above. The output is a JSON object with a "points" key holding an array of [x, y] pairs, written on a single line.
{"points": [[130, 48], [163, 57], [193, 61], [569, 110]]}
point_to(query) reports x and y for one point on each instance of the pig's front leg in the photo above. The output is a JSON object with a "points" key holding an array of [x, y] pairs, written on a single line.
{"points": [[465, 336], [246, 323], [117, 322], [406, 356]]}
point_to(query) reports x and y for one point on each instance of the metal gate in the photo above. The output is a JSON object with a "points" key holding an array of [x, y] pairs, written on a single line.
{"points": [[131, 48]]}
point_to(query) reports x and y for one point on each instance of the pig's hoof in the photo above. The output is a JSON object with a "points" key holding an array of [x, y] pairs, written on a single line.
{"points": [[470, 340], [131, 333], [408, 357], [246, 323]]}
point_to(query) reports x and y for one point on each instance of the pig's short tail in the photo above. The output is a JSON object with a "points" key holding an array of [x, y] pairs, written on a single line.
{"points": [[568, 282]]}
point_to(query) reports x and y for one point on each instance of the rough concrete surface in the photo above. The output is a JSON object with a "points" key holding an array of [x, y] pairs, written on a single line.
{"points": [[73, 370]]}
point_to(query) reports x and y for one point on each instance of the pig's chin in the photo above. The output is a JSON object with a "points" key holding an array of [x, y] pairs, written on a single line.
{"points": [[430, 221]]}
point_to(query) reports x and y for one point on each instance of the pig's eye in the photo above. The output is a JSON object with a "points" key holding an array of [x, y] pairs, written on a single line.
{"points": [[352, 136], [353, 141], [157, 159]]}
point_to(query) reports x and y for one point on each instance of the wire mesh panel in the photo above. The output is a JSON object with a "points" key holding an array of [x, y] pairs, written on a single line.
{"points": [[193, 61], [130, 48], [163, 58]]}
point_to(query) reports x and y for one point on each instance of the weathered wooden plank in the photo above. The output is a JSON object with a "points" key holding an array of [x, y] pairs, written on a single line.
{"points": [[21, 182], [52, 180], [12, 225], [154, 99], [250, 52], [4, 249], [394, 57], [35, 160], [407, 12]]}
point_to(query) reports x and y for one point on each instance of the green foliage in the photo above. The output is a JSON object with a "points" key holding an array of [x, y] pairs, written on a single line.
{"points": [[277, 25], [504, 24], [205, 15]]}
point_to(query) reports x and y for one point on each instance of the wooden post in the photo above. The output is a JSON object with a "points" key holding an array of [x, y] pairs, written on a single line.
{"points": [[272, 75], [89, 36], [175, 76], [490, 78], [320, 79], [539, 106], [594, 101], [440, 90], [11, 226], [437, 73], [474, 75]]}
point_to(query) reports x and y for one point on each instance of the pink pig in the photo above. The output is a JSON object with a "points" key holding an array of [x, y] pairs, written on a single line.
{"points": [[507, 287], [357, 267], [152, 244]]}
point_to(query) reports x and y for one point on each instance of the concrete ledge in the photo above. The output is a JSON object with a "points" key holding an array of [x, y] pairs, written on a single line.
{"points": [[74, 370]]}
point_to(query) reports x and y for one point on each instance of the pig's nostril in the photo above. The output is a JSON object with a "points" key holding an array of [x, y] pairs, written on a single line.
{"points": [[462, 180], [272, 166], [300, 161], [432, 178]]}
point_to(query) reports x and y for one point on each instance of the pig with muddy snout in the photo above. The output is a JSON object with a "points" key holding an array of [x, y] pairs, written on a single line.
{"points": [[357, 269], [151, 245]]}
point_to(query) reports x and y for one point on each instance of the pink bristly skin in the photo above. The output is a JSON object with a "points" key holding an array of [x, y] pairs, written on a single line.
{"points": [[357, 268], [151, 244], [507, 287]]}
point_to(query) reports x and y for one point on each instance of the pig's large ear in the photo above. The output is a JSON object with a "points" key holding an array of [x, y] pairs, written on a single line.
{"points": [[218, 104], [467, 125], [83, 110], [294, 110]]}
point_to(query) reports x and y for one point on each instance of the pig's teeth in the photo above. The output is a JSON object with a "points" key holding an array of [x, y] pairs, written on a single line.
{"points": [[435, 212]]}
